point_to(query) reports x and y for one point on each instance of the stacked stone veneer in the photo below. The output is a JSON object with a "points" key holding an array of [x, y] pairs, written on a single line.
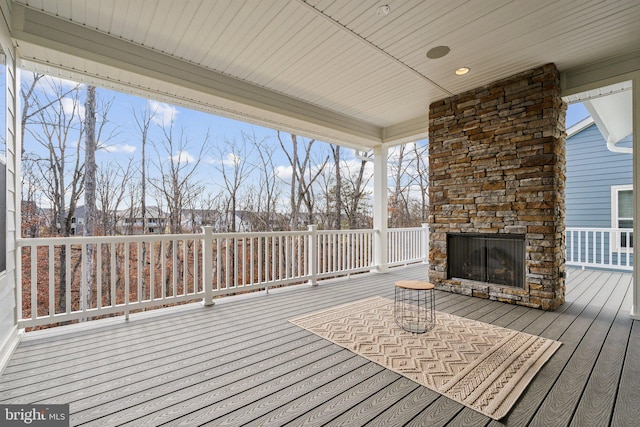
{"points": [[497, 165]]}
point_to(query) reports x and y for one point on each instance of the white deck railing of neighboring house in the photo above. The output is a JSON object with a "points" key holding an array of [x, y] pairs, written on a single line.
{"points": [[59, 275], [600, 248]]}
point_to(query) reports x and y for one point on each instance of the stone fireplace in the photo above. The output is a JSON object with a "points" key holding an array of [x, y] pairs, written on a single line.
{"points": [[497, 162]]}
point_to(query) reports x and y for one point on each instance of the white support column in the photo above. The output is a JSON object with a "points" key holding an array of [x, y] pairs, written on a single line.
{"points": [[11, 278], [380, 208], [635, 306]]}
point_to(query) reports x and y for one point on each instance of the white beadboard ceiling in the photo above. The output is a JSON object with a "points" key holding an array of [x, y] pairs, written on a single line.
{"points": [[330, 69]]}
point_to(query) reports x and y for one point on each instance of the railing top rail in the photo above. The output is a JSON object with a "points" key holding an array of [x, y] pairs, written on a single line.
{"points": [[605, 229], [45, 241], [246, 234], [75, 240], [358, 231]]}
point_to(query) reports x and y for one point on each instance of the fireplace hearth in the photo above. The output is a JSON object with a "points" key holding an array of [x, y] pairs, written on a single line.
{"points": [[488, 258]]}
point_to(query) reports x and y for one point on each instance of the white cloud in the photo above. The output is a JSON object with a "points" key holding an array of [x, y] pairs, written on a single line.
{"points": [[119, 148], [68, 107], [232, 160], [163, 114], [182, 156], [284, 173]]}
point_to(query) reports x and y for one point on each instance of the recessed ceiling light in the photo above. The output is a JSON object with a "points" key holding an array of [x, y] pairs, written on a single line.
{"points": [[383, 10], [462, 71], [438, 52]]}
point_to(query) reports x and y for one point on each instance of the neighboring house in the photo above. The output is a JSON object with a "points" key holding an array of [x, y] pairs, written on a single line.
{"points": [[244, 221], [131, 221], [599, 195], [599, 181], [77, 221]]}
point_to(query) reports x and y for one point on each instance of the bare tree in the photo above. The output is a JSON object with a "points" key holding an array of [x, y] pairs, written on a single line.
{"points": [[422, 178], [32, 108], [143, 122], [326, 199], [268, 191], [303, 177], [30, 215], [337, 222], [176, 170], [111, 189], [60, 128], [355, 194], [234, 168], [399, 165]]}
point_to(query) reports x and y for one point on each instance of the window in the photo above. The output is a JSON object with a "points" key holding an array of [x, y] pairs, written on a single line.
{"points": [[622, 213]]}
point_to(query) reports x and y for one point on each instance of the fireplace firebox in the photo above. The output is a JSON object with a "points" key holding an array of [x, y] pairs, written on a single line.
{"points": [[490, 258]]}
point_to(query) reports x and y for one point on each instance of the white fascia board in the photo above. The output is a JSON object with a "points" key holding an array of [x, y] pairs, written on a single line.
{"points": [[599, 74], [38, 28]]}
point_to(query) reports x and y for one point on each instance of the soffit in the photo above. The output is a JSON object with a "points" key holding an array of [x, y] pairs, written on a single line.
{"points": [[335, 70]]}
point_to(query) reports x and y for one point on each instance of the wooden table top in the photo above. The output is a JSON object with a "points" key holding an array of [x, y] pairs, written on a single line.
{"points": [[415, 285]]}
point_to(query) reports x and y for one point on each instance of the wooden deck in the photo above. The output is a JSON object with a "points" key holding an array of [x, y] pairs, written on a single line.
{"points": [[241, 363]]}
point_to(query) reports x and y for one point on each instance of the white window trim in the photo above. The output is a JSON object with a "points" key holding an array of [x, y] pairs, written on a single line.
{"points": [[615, 189]]}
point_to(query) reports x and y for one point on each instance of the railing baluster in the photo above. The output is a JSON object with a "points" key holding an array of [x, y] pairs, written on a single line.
{"points": [[113, 274], [174, 269], [139, 264], [152, 270], [67, 267], [163, 263], [52, 282], [126, 281], [99, 276], [83, 278], [34, 282]]}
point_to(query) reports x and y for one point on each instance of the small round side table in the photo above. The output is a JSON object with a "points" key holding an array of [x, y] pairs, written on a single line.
{"points": [[414, 308]]}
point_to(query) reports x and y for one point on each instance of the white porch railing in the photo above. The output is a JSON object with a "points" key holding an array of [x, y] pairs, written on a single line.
{"points": [[72, 278], [600, 247], [407, 245]]}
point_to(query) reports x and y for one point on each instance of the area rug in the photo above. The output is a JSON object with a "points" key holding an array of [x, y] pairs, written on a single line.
{"points": [[482, 366]]}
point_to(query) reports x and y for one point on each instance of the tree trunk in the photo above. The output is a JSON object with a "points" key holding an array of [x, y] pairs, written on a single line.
{"points": [[89, 188], [338, 208]]}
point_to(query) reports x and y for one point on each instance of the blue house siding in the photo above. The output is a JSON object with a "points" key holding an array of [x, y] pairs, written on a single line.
{"points": [[591, 172]]}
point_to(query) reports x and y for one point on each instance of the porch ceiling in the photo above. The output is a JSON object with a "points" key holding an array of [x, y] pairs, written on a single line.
{"points": [[334, 70]]}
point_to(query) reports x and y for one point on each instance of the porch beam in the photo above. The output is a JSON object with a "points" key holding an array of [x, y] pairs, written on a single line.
{"points": [[599, 74], [408, 131]]}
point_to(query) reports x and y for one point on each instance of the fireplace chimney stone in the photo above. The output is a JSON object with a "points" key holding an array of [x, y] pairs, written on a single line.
{"points": [[497, 165]]}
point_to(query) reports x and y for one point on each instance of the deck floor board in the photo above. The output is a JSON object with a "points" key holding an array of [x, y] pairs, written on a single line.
{"points": [[241, 362]]}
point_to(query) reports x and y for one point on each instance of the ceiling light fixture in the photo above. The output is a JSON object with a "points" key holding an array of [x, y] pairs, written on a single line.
{"points": [[383, 10], [462, 71], [438, 52]]}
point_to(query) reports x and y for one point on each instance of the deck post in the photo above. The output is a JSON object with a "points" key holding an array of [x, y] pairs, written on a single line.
{"points": [[424, 239], [380, 209], [313, 256], [207, 265]]}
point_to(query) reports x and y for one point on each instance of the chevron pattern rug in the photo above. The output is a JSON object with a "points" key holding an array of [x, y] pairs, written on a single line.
{"points": [[482, 366]]}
